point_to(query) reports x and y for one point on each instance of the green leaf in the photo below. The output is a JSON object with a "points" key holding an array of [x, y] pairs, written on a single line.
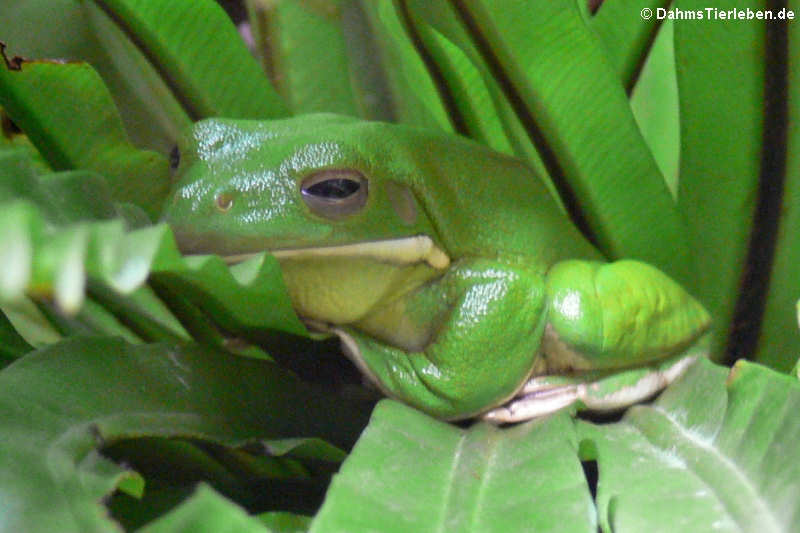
{"points": [[61, 403], [56, 261], [626, 34], [779, 341], [472, 107], [141, 313], [413, 94], [62, 29], [197, 51], [286, 522], [707, 455], [206, 512], [476, 103], [62, 197], [69, 115], [173, 467], [12, 344], [409, 472], [308, 54], [543, 57], [654, 103], [305, 448], [720, 69], [29, 321]]}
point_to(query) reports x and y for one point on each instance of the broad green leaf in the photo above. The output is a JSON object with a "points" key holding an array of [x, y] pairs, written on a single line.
{"points": [[307, 54], [707, 455], [409, 472], [796, 369], [60, 404], [545, 59], [198, 53], [779, 342], [69, 115], [206, 511], [67, 198], [28, 32]]}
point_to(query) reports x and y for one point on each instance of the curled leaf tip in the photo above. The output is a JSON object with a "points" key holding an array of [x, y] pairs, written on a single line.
{"points": [[594, 5], [15, 63]]}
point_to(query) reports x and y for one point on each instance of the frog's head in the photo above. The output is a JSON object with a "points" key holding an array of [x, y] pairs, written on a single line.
{"points": [[322, 193]]}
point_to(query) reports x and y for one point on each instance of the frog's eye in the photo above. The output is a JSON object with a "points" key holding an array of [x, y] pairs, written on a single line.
{"points": [[334, 193]]}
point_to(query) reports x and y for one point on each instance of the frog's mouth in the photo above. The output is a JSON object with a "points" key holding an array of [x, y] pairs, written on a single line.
{"points": [[405, 251], [363, 284]]}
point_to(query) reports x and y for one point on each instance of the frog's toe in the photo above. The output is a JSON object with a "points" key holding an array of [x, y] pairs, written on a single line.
{"points": [[543, 395], [631, 387], [537, 398]]}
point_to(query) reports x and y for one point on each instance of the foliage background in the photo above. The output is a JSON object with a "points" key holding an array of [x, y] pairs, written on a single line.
{"points": [[137, 373]]}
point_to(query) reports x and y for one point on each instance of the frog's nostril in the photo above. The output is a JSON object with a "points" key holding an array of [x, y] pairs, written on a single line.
{"points": [[224, 201], [174, 158]]}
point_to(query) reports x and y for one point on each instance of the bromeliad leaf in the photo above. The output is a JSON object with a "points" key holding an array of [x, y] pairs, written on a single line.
{"points": [[199, 55], [719, 224], [739, 185], [61, 228], [724, 453], [778, 339], [544, 75], [469, 95], [55, 261], [411, 89], [303, 47], [206, 511], [410, 472], [59, 405], [70, 116], [626, 34]]}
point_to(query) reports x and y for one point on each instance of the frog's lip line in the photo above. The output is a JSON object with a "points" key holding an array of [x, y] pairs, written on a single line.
{"points": [[405, 251]]}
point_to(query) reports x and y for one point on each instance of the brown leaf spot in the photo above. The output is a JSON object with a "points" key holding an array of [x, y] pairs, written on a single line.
{"points": [[15, 63]]}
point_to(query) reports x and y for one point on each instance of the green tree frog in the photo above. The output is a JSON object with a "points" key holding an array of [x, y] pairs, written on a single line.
{"points": [[453, 279]]}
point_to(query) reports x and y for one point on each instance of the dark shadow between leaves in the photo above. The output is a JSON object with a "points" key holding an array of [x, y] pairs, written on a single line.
{"points": [[172, 469]]}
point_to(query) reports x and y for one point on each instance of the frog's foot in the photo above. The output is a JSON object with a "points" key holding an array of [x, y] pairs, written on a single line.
{"points": [[543, 395]]}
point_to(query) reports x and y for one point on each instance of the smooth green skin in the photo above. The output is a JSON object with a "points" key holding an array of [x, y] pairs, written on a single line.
{"points": [[524, 294]]}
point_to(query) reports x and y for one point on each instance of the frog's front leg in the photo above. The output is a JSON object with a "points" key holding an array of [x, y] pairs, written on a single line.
{"points": [[616, 334], [488, 322]]}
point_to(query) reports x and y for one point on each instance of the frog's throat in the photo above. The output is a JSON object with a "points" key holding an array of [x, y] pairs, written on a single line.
{"points": [[405, 251]]}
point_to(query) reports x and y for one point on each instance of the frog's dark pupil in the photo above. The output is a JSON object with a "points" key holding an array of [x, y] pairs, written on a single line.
{"points": [[334, 188]]}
